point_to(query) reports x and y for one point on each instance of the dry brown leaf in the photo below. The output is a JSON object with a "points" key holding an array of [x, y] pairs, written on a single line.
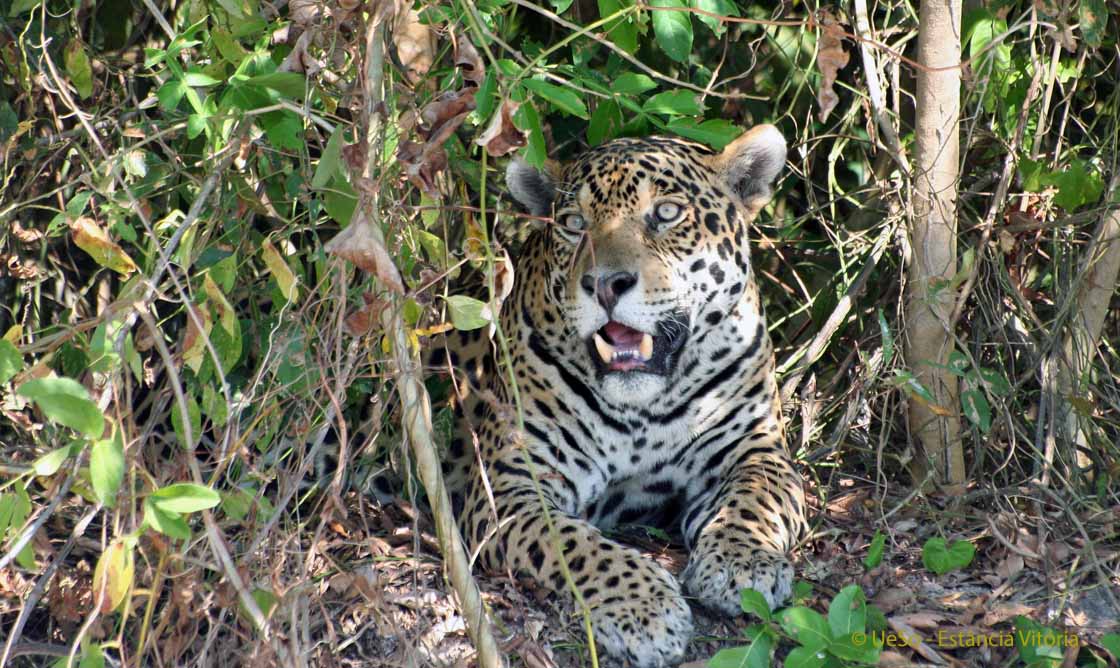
{"points": [[831, 58], [194, 340], [910, 637], [922, 620], [1002, 613], [889, 600], [468, 60], [364, 320], [361, 243], [1010, 566], [501, 135]]}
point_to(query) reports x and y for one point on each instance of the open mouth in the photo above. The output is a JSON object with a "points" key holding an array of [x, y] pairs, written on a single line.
{"points": [[616, 347]]}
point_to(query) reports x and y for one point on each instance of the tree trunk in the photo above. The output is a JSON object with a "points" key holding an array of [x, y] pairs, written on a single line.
{"points": [[1097, 277], [933, 236]]}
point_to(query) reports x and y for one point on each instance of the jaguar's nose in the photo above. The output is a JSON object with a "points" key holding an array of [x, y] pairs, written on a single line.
{"points": [[608, 288]]}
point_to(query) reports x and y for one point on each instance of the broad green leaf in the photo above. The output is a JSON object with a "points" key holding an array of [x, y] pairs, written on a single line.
{"points": [[284, 129], [847, 614], [66, 402], [92, 656], [804, 657], [78, 68], [433, 246], [49, 463], [230, 49], [560, 6], [673, 29], [976, 409], [997, 383], [941, 558], [168, 524], [980, 28], [136, 163], [622, 31], [802, 590], [528, 120], [199, 79], [632, 83], [106, 468], [605, 123], [1111, 643], [184, 497], [716, 133], [1077, 186], [673, 103], [288, 84], [468, 313], [807, 626], [328, 162], [22, 6], [340, 200], [720, 7], [875, 550], [112, 577], [564, 99], [857, 647], [754, 655], [11, 361], [750, 601]]}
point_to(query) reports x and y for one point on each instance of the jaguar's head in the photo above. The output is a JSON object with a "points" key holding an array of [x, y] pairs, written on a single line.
{"points": [[647, 248]]}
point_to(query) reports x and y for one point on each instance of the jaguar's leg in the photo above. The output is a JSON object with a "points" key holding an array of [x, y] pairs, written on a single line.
{"points": [[637, 609], [740, 533]]}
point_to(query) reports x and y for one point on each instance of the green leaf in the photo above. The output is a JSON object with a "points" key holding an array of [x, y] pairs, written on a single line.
{"points": [[65, 401], [673, 29], [673, 103], [49, 463], [802, 590], [1093, 19], [284, 129], [564, 99], [106, 468], [199, 79], [11, 361], [1111, 643], [528, 120], [288, 84], [997, 383], [875, 550], [622, 31], [184, 497], [847, 614], [856, 647], [976, 409], [750, 601], [803, 657], [754, 655], [941, 558], [721, 7], [136, 163], [78, 68], [468, 313], [230, 49], [716, 133], [807, 626], [168, 524], [1077, 186], [560, 6], [92, 656], [328, 162], [632, 83], [113, 575], [605, 123], [21, 6], [1034, 174]]}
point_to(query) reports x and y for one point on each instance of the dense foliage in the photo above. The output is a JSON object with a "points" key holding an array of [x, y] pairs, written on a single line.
{"points": [[193, 389]]}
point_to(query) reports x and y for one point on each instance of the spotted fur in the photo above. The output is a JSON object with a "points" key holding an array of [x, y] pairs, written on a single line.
{"points": [[691, 441]]}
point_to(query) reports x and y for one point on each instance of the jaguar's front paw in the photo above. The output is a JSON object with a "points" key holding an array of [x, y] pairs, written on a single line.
{"points": [[648, 629], [716, 576]]}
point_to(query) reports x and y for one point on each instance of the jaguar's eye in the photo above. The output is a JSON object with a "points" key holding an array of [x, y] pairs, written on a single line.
{"points": [[574, 222], [667, 212]]}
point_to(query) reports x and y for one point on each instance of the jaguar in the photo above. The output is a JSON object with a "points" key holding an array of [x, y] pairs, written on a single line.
{"points": [[637, 351]]}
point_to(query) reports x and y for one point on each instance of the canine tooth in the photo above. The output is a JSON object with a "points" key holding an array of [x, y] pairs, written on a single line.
{"points": [[605, 349], [645, 350]]}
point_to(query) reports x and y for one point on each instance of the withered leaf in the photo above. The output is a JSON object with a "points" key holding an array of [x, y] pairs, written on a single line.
{"points": [[831, 58], [467, 59], [89, 236], [501, 135], [362, 243]]}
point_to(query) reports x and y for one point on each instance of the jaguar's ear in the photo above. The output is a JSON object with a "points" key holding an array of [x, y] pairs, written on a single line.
{"points": [[752, 162], [534, 188]]}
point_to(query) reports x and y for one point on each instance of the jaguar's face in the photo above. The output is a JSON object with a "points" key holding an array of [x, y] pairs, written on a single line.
{"points": [[648, 248]]}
